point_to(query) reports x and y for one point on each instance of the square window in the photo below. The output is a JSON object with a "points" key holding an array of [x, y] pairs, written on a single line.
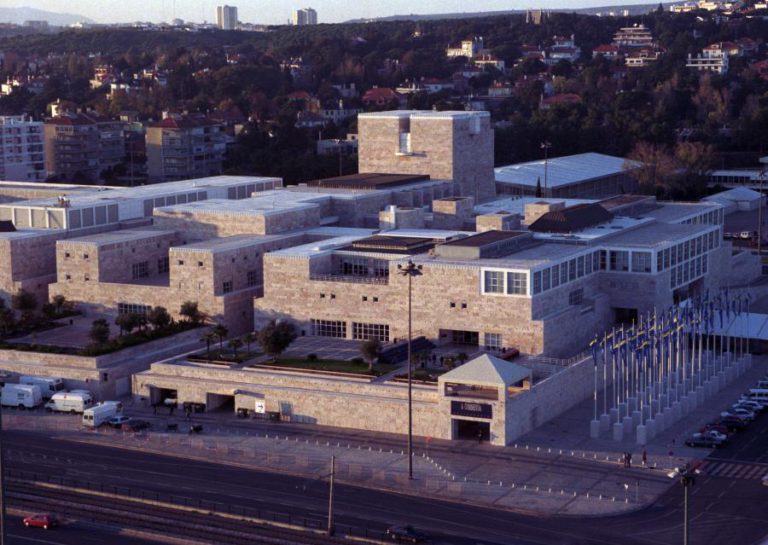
{"points": [[322, 296], [68, 277], [463, 305], [66, 254], [199, 263], [333, 296], [85, 256], [365, 297], [453, 305], [181, 262], [375, 299]]}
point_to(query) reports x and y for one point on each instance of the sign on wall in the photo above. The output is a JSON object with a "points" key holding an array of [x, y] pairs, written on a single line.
{"points": [[475, 410], [259, 406]]}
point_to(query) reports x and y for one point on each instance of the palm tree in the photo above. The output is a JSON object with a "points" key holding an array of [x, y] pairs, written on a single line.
{"points": [[208, 338], [221, 331], [249, 338], [235, 344]]}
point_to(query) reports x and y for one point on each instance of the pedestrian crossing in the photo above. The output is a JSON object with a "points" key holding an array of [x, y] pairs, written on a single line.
{"points": [[734, 470]]}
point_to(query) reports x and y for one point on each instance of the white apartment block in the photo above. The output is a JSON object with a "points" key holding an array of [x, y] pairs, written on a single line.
{"points": [[22, 156]]}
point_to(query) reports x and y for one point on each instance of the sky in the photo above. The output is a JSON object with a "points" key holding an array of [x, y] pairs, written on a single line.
{"points": [[279, 11]]}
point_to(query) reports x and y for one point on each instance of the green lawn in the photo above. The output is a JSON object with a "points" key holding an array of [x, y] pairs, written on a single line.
{"points": [[339, 366], [227, 355]]}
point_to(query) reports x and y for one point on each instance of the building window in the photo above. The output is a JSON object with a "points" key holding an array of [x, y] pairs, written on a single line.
{"points": [[370, 331], [140, 270], [322, 296], [641, 262], [453, 305], [555, 276], [563, 273], [572, 270], [375, 299], [68, 277], [181, 262], [545, 279], [619, 260], [253, 278], [463, 305], [355, 267], [603, 260], [493, 282], [66, 254], [199, 263], [365, 297], [227, 286], [537, 282], [576, 297], [493, 341], [132, 308], [329, 328], [85, 256], [517, 283], [163, 265], [580, 266]]}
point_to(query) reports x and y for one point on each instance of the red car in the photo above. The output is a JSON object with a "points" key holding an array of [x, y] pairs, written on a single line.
{"points": [[43, 521]]}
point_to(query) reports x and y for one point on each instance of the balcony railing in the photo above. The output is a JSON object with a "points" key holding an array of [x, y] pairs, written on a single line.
{"points": [[350, 278]]}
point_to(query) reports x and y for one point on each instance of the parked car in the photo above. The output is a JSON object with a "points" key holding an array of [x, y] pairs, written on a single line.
{"points": [[733, 423], [719, 428], [741, 412], [118, 421], [765, 480], [136, 425], [44, 521], [716, 435], [753, 406], [406, 534], [702, 440]]}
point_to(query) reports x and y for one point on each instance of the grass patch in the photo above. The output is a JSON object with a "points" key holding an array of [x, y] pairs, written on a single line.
{"points": [[338, 366], [224, 355]]}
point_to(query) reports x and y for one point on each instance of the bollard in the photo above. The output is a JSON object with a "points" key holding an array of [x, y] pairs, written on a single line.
{"points": [[574, 494], [513, 485], [549, 451], [626, 500], [489, 482], [537, 489], [500, 483], [562, 492], [537, 449], [587, 494], [525, 487], [601, 497], [549, 491], [594, 456], [561, 451], [515, 445]]}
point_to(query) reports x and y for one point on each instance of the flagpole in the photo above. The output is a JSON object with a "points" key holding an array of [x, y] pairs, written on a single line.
{"points": [[605, 373]]}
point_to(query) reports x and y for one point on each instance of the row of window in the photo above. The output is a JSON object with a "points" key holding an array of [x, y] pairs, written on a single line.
{"points": [[361, 266], [566, 272], [713, 217], [504, 282], [687, 272], [133, 308], [360, 331], [670, 257]]}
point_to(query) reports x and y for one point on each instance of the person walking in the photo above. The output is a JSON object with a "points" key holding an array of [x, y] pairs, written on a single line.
{"points": [[479, 436], [645, 457]]}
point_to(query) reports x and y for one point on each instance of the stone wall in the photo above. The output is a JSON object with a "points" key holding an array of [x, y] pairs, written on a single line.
{"points": [[324, 400]]}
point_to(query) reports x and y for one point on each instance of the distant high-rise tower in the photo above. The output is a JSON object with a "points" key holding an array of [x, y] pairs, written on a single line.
{"points": [[306, 16], [226, 17]]}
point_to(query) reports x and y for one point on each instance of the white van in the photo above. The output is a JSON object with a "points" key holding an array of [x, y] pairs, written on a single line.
{"points": [[100, 414], [70, 402], [48, 385], [23, 396]]}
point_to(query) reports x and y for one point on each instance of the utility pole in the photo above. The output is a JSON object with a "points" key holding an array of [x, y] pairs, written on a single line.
{"points": [[687, 478], [331, 529], [764, 161], [545, 146], [410, 270], [2, 484]]}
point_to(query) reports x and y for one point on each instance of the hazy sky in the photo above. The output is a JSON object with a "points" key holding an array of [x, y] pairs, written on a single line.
{"points": [[279, 11]]}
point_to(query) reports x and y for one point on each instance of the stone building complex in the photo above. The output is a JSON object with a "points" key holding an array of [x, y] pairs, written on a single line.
{"points": [[539, 274]]}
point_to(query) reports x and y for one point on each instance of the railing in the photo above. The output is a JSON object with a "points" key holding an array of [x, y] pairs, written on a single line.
{"points": [[350, 278]]}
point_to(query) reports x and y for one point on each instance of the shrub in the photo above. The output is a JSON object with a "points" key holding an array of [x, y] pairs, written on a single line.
{"points": [[358, 361], [311, 357]]}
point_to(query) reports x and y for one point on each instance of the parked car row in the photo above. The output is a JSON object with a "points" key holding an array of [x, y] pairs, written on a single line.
{"points": [[735, 418]]}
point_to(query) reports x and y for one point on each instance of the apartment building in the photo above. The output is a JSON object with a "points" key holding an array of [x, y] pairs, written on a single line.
{"points": [[80, 146], [22, 154], [185, 147]]}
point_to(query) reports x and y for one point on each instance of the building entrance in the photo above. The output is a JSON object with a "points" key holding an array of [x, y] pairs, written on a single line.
{"points": [[471, 429], [465, 337]]}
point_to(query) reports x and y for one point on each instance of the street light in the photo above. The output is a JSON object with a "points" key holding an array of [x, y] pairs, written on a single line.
{"points": [[764, 161], [545, 146], [687, 478], [410, 270], [2, 484]]}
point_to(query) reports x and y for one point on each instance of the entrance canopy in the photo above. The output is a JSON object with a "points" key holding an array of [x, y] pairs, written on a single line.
{"points": [[487, 370]]}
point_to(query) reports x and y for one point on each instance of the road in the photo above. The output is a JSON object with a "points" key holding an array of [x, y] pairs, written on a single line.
{"points": [[724, 509]]}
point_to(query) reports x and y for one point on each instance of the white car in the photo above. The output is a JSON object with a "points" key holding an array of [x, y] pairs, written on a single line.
{"points": [[744, 414], [753, 406], [765, 480], [714, 434]]}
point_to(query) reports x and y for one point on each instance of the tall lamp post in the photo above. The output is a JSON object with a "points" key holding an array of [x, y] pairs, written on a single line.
{"points": [[2, 484], [764, 161], [545, 146], [687, 478], [410, 270]]}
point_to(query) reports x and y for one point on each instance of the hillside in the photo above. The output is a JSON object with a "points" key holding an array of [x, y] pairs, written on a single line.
{"points": [[17, 16]]}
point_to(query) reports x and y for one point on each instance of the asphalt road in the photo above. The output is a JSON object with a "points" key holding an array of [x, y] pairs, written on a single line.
{"points": [[727, 507], [73, 534]]}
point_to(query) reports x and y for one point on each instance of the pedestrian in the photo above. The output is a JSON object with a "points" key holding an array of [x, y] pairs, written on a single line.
{"points": [[645, 457], [442, 361], [479, 436], [154, 409], [173, 407], [629, 459]]}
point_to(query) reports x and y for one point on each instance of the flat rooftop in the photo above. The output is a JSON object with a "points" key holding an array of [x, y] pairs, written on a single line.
{"points": [[529, 257], [561, 171], [516, 205], [385, 243], [656, 235], [117, 237], [485, 238], [369, 181], [670, 212], [264, 204], [424, 114], [223, 244], [101, 194]]}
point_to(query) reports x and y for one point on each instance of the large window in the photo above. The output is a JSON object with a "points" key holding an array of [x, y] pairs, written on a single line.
{"points": [[493, 341], [370, 331], [576, 297], [329, 328], [227, 286], [163, 265], [641, 262], [516, 283], [493, 282], [537, 282], [619, 260], [355, 266], [253, 278], [140, 270], [132, 308]]}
